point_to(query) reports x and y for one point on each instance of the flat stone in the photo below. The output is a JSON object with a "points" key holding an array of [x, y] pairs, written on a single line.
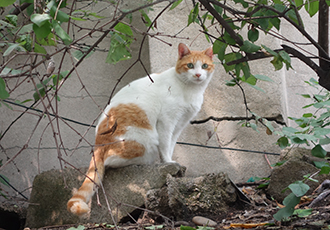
{"points": [[127, 185], [183, 198], [203, 221]]}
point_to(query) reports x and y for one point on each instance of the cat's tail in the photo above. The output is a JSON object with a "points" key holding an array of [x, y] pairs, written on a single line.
{"points": [[78, 204]]}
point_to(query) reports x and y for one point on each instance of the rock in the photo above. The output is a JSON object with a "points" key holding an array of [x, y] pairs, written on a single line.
{"points": [[183, 198], [299, 154], [203, 221], [127, 185], [291, 171]]}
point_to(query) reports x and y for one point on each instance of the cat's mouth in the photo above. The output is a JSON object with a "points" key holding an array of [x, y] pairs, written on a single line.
{"points": [[198, 79]]}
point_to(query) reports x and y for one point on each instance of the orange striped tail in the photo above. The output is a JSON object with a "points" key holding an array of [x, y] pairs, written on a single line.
{"points": [[78, 204]]}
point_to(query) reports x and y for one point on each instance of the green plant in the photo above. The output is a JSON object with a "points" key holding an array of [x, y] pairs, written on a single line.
{"points": [[298, 189], [312, 128]]}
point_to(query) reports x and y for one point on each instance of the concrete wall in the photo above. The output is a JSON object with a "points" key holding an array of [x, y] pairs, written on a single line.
{"points": [[158, 55]]}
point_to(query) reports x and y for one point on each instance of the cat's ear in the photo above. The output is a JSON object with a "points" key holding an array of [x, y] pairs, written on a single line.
{"points": [[183, 50], [209, 52]]}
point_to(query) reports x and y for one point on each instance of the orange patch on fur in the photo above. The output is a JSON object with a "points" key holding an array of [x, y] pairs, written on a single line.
{"points": [[193, 57], [77, 196], [118, 119]]}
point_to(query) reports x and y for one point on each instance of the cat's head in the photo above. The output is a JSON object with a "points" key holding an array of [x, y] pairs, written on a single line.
{"points": [[194, 66]]}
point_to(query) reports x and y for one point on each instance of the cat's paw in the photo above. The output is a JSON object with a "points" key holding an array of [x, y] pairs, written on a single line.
{"points": [[77, 207]]}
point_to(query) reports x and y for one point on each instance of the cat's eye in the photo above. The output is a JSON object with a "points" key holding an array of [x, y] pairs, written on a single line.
{"points": [[205, 66], [190, 65]]}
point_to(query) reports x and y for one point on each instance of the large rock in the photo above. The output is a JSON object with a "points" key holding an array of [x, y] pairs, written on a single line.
{"points": [[299, 163], [125, 188], [182, 198]]}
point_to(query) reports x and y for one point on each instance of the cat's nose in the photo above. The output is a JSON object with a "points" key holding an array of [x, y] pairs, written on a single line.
{"points": [[197, 75]]}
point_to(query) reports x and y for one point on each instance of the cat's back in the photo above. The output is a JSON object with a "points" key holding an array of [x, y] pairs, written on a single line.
{"points": [[147, 89]]}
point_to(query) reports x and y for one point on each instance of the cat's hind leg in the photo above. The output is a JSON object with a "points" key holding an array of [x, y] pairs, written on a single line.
{"points": [[78, 204]]}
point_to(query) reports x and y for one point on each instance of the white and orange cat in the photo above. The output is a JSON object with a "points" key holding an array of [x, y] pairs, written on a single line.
{"points": [[144, 119]]}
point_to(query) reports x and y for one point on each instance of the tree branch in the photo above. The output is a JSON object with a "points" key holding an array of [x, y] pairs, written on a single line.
{"points": [[323, 34], [320, 72], [222, 21]]}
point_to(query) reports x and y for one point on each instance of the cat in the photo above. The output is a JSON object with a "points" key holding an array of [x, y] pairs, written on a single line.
{"points": [[144, 119]]}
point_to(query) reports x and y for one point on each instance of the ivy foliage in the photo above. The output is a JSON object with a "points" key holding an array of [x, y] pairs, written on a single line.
{"points": [[238, 41], [46, 27]]}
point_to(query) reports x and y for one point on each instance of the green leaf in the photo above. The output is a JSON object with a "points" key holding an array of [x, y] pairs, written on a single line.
{"points": [[269, 50], [175, 4], [244, 3], [10, 48], [61, 33], [219, 48], [283, 142], [297, 140], [186, 228], [306, 95], [320, 164], [325, 170], [58, 78], [232, 82], [146, 18], [39, 49], [312, 7], [263, 22], [25, 29], [117, 52], [193, 14], [321, 131], [277, 63], [3, 92], [42, 93], [318, 151], [249, 47], [253, 34], [125, 30], [12, 19], [229, 40], [290, 202], [50, 40], [263, 78], [78, 19], [5, 71], [298, 3], [61, 16], [324, 141], [286, 58], [42, 31], [80, 227], [276, 22], [40, 19], [228, 58], [247, 74], [303, 212], [299, 188], [78, 54], [4, 24], [4, 3]]}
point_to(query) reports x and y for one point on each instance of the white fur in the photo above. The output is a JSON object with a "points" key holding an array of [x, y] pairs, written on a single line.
{"points": [[170, 103]]}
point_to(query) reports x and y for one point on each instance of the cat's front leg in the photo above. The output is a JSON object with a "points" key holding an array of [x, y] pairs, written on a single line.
{"points": [[165, 134]]}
